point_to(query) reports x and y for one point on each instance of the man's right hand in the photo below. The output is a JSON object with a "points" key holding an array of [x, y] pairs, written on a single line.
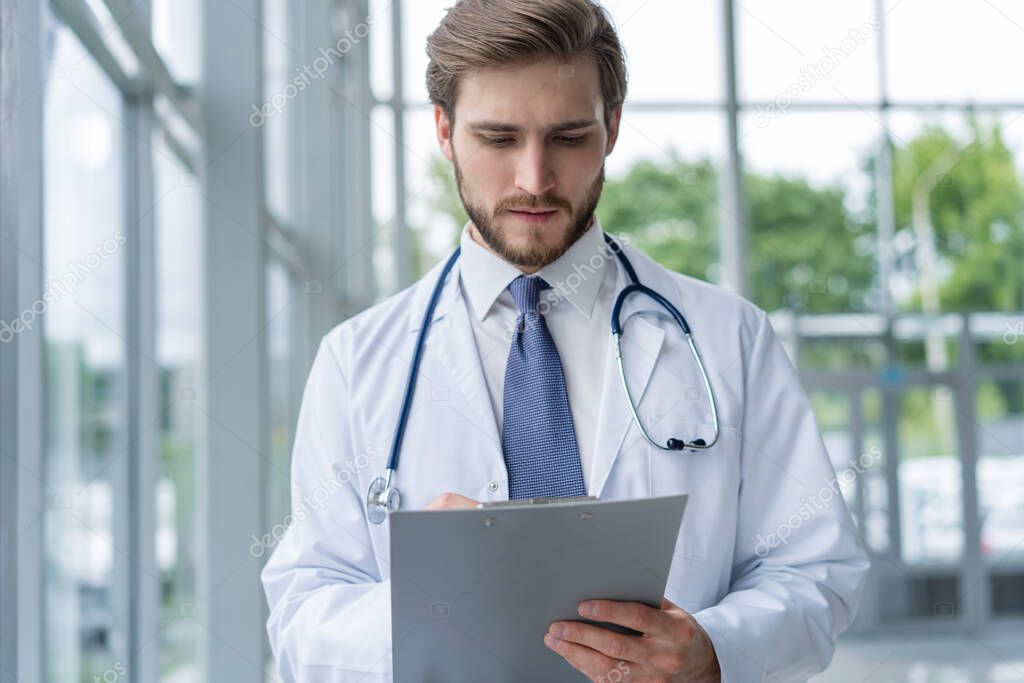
{"points": [[452, 501]]}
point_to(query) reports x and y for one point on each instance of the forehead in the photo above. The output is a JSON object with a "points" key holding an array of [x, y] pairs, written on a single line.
{"points": [[531, 95]]}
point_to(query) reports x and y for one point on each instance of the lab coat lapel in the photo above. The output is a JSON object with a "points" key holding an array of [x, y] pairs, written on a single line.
{"points": [[451, 343], [641, 345]]}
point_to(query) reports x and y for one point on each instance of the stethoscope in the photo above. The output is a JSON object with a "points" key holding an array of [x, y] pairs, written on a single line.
{"points": [[382, 498]]}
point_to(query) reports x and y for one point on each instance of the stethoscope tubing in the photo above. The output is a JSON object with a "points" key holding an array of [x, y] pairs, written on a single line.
{"points": [[382, 498]]}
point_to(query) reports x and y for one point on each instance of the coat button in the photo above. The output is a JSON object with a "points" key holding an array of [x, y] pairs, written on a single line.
{"points": [[492, 486]]}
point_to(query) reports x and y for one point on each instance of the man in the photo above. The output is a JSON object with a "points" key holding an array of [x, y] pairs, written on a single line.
{"points": [[518, 396]]}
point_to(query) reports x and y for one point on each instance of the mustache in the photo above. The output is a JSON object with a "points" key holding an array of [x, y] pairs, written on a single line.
{"points": [[532, 202]]}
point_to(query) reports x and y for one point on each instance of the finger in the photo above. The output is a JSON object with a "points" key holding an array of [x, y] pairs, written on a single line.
{"points": [[634, 615], [617, 646], [590, 663], [452, 501]]}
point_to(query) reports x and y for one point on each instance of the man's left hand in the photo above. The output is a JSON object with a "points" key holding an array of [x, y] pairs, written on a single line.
{"points": [[673, 646]]}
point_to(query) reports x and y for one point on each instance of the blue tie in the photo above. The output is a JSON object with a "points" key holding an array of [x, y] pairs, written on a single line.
{"points": [[538, 439]]}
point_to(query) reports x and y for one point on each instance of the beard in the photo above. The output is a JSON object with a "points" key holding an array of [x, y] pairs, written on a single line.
{"points": [[536, 254]]}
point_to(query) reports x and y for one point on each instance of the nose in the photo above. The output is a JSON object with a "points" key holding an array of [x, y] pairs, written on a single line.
{"points": [[533, 172]]}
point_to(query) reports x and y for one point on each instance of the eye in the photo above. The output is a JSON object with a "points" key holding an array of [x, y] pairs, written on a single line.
{"points": [[497, 142], [571, 139]]}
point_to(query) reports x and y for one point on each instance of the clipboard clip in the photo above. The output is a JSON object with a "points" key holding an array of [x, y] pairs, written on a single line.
{"points": [[566, 501]]}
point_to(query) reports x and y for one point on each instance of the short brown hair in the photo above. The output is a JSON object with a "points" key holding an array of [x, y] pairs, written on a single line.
{"points": [[477, 34]]}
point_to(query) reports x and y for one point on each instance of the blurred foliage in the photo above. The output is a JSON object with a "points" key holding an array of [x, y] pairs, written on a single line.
{"points": [[976, 206], [669, 211], [808, 251]]}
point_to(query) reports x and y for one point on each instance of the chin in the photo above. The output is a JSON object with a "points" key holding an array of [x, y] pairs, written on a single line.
{"points": [[533, 237]]}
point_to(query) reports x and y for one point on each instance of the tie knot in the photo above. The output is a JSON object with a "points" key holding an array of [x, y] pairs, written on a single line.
{"points": [[526, 292]]}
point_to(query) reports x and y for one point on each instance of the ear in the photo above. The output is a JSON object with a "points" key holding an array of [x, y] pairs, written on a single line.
{"points": [[613, 129], [444, 132]]}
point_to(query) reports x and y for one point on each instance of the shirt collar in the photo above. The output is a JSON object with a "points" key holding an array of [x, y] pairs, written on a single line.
{"points": [[574, 276]]}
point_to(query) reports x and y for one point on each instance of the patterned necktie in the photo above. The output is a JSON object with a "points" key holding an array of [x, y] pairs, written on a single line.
{"points": [[538, 439]]}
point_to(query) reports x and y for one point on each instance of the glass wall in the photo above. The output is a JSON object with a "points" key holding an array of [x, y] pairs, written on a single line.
{"points": [[122, 237]]}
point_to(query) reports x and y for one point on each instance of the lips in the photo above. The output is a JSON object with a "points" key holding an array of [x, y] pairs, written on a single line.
{"points": [[534, 216]]}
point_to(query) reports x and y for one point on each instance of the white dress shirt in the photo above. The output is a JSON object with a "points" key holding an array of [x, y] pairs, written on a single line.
{"points": [[578, 312]]}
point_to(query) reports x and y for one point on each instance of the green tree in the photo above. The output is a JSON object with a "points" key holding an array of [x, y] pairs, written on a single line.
{"points": [[809, 252], [669, 211], [973, 198]]}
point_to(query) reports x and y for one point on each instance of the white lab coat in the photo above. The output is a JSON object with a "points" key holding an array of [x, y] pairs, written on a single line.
{"points": [[772, 607]]}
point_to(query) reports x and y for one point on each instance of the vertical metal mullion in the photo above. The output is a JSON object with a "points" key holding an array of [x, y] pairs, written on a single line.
{"points": [[300, 142], [352, 221], [974, 583], [120, 469], [884, 202], [126, 497], [325, 212], [867, 615], [402, 246], [144, 428], [361, 130], [734, 229], [29, 382], [9, 388], [856, 427], [143, 588], [886, 217], [231, 458], [891, 405]]}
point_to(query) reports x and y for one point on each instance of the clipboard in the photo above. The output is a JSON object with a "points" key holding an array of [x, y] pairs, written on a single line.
{"points": [[473, 591]]}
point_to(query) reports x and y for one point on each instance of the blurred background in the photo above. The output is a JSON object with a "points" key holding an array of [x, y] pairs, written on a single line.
{"points": [[194, 192]]}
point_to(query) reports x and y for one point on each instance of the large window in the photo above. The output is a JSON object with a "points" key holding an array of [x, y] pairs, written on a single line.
{"points": [[122, 267]]}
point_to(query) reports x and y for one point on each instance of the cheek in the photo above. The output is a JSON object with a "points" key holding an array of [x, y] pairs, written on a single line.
{"points": [[576, 180], [485, 172]]}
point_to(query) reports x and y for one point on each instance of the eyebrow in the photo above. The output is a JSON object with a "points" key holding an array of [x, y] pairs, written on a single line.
{"points": [[499, 127]]}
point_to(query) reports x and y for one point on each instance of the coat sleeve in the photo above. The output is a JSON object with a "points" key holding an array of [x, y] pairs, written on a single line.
{"points": [[329, 608], [798, 564]]}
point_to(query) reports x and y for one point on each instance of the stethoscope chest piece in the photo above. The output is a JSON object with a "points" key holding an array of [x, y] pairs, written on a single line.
{"points": [[381, 500]]}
